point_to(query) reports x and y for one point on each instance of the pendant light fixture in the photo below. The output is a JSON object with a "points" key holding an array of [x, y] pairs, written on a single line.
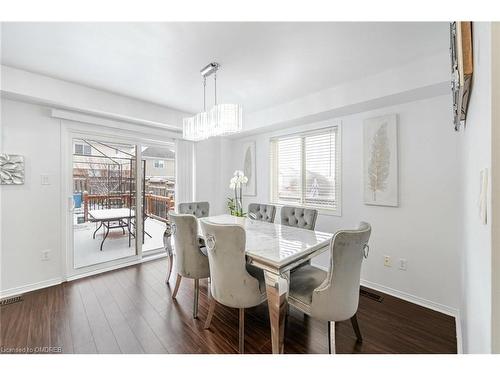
{"points": [[220, 120]]}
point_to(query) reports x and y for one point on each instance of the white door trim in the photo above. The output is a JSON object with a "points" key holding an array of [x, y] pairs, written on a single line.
{"points": [[69, 130]]}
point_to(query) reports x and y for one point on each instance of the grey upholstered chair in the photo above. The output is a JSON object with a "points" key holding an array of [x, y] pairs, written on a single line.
{"points": [[262, 212], [198, 209], [190, 261], [299, 217], [334, 295], [233, 283], [167, 244]]}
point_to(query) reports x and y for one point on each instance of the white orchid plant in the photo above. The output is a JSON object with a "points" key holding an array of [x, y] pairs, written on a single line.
{"points": [[236, 183]]}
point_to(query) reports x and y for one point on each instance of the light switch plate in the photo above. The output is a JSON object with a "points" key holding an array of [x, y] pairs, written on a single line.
{"points": [[45, 255], [403, 264], [44, 179]]}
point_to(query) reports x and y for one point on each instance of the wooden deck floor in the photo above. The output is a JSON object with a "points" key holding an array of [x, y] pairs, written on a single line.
{"points": [[131, 311]]}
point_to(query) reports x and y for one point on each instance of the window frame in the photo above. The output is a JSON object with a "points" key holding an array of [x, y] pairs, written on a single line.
{"points": [[158, 162], [77, 145], [273, 181], [84, 147], [88, 148]]}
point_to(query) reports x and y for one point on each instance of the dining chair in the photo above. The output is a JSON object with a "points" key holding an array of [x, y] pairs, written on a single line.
{"points": [[167, 245], [190, 261], [299, 217], [334, 295], [198, 209], [262, 212], [233, 283]]}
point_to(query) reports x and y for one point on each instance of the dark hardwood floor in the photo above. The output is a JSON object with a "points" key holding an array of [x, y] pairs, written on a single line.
{"points": [[131, 311]]}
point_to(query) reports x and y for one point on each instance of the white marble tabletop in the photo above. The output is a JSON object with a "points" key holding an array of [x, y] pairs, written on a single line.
{"points": [[275, 244]]}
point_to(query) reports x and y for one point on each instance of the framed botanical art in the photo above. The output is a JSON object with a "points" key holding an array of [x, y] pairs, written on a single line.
{"points": [[380, 156], [248, 168]]}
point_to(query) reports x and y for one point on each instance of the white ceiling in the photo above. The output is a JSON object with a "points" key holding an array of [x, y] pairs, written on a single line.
{"points": [[263, 64]]}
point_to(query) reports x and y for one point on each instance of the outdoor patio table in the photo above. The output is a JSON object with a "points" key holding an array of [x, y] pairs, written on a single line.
{"points": [[106, 217]]}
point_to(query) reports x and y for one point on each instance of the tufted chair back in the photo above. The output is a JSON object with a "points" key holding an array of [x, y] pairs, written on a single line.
{"points": [[230, 282], [262, 212], [342, 282], [299, 217], [198, 209], [189, 261]]}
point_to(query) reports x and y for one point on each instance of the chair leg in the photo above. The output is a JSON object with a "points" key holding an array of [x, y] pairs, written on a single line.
{"points": [[355, 326], [242, 331], [211, 310], [177, 285], [196, 294], [170, 260], [331, 337]]}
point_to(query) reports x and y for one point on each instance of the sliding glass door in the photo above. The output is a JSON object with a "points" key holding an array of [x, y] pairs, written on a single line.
{"points": [[119, 191], [158, 178], [104, 201]]}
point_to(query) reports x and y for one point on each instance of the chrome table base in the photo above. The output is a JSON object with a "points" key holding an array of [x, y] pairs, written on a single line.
{"points": [[277, 300]]}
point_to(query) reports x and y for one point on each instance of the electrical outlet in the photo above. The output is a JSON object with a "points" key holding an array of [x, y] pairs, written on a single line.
{"points": [[403, 264], [387, 261], [45, 255]]}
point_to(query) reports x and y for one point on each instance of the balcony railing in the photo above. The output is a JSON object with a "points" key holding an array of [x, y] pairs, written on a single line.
{"points": [[156, 206]]}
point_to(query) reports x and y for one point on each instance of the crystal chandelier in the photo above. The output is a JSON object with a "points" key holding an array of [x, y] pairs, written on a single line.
{"points": [[221, 119]]}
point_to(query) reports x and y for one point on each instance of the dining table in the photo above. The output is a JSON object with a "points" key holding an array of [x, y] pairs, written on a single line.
{"points": [[276, 249]]}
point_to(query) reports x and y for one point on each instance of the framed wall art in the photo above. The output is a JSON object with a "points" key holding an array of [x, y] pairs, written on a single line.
{"points": [[380, 143]]}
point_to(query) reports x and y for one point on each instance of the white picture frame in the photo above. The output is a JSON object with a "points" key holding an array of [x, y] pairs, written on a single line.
{"points": [[380, 161], [248, 159]]}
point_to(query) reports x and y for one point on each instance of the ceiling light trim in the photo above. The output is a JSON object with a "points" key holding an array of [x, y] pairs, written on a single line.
{"points": [[220, 120]]}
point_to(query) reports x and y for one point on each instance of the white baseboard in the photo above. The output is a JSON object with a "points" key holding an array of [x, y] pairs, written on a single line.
{"points": [[115, 267], [455, 313], [412, 298], [58, 280], [405, 296], [447, 310], [30, 287]]}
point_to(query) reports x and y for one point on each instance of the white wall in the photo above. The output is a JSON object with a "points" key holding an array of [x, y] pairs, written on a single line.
{"points": [[17, 83], [426, 228], [416, 80], [212, 167], [30, 213], [476, 298], [30, 216]]}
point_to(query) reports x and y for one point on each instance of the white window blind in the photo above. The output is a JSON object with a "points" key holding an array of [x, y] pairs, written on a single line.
{"points": [[305, 169]]}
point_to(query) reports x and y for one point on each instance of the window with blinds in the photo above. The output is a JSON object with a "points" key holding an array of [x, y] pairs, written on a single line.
{"points": [[305, 169]]}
